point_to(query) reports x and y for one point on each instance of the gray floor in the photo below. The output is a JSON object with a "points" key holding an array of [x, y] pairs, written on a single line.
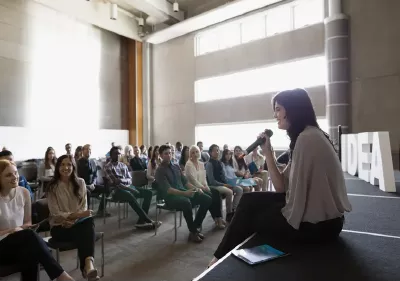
{"points": [[139, 255]]}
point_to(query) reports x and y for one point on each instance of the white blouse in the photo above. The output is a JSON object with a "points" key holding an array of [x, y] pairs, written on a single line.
{"points": [[195, 176], [314, 181]]}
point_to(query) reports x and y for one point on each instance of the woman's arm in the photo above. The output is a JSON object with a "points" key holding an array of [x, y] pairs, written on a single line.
{"points": [[27, 209], [149, 173], [274, 173]]}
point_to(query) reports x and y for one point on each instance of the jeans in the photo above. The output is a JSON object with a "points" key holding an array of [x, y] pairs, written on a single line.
{"points": [[82, 234], [127, 196], [186, 204], [27, 249]]}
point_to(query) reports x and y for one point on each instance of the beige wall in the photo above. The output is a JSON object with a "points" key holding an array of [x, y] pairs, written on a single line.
{"points": [[175, 69], [375, 67]]}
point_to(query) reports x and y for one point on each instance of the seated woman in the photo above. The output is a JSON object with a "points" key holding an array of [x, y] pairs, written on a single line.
{"points": [[78, 153], [241, 169], [184, 158], [258, 160], [229, 172], [154, 162], [196, 175], [70, 220], [18, 244], [127, 157], [312, 210]]}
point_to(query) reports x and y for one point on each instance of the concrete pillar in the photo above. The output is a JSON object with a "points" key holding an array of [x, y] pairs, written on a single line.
{"points": [[337, 55]]}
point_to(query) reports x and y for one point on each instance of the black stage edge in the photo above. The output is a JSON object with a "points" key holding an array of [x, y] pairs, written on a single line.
{"points": [[372, 255]]}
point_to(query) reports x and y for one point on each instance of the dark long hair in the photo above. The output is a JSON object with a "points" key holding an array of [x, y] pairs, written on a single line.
{"points": [[153, 157], [299, 112], [223, 159], [185, 150], [73, 177], [240, 160], [47, 163], [150, 152]]}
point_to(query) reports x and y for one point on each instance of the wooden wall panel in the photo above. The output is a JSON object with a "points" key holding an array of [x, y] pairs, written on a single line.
{"points": [[139, 92], [132, 92]]}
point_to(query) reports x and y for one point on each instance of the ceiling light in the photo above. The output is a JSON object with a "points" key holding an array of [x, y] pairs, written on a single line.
{"points": [[175, 6], [113, 11]]}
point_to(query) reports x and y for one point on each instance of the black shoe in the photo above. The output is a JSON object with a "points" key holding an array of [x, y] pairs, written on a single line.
{"points": [[194, 237], [229, 216], [201, 235]]}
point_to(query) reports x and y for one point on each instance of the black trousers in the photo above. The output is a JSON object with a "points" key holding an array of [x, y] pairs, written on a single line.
{"points": [[27, 249], [100, 190], [82, 234], [142, 211], [261, 212], [216, 204], [186, 205]]}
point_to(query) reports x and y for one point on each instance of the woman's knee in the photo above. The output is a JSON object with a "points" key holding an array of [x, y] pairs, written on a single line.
{"points": [[238, 190]]}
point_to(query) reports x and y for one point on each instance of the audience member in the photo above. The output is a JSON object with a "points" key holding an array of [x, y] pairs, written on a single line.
{"points": [[128, 155], [229, 173], [78, 153], [4, 148], [149, 153], [137, 163], [178, 151], [19, 244], [173, 159], [204, 154], [184, 158], [7, 155], [258, 159], [242, 170], [70, 219], [312, 210], [87, 170], [196, 175], [179, 194], [108, 152], [120, 179], [46, 168], [216, 179], [143, 153], [68, 149], [153, 164]]}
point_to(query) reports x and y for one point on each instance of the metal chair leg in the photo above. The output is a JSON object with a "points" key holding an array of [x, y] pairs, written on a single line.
{"points": [[119, 214], [77, 260], [102, 255], [180, 219], [155, 229], [58, 255], [175, 226], [104, 208]]}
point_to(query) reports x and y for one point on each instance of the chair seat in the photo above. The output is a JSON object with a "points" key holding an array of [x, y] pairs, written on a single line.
{"points": [[67, 246], [6, 270]]}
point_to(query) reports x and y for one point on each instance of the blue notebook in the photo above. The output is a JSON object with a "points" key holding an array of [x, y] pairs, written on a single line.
{"points": [[241, 182], [258, 254], [253, 168]]}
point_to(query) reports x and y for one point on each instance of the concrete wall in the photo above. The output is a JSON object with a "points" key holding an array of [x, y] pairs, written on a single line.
{"points": [[58, 75], [175, 69], [375, 67]]}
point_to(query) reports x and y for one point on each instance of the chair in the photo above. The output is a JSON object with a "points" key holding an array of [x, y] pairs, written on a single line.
{"points": [[110, 199], [59, 246], [139, 179]]}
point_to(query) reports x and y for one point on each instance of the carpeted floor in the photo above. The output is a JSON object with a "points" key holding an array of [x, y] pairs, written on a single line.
{"points": [[136, 255], [368, 249]]}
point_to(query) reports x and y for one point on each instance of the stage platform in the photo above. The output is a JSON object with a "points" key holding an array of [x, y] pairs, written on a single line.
{"points": [[368, 248]]}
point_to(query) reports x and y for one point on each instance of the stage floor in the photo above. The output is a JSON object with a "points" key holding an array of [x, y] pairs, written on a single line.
{"points": [[368, 248]]}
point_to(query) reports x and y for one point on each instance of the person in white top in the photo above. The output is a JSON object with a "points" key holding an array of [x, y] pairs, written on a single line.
{"points": [[259, 160], [70, 219], [311, 197], [20, 245], [154, 162], [242, 170], [196, 175]]}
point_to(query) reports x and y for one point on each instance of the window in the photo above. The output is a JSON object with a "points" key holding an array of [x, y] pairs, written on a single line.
{"points": [[268, 23], [229, 36], [228, 134], [304, 73], [253, 29], [308, 12], [279, 20]]}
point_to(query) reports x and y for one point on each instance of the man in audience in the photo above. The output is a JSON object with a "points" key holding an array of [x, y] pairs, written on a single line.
{"points": [[120, 179], [137, 163], [87, 170], [7, 155], [108, 153], [68, 149], [204, 154], [179, 194], [173, 157], [178, 151]]}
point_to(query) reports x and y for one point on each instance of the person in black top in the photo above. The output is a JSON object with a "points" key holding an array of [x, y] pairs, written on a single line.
{"points": [[137, 163], [87, 170]]}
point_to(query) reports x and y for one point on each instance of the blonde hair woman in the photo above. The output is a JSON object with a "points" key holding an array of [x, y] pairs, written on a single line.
{"points": [[196, 175], [128, 155]]}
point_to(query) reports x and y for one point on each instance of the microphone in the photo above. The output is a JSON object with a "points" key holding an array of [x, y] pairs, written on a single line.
{"points": [[259, 141]]}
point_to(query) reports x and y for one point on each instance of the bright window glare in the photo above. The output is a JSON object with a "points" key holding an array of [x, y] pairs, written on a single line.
{"points": [[297, 74], [245, 134]]}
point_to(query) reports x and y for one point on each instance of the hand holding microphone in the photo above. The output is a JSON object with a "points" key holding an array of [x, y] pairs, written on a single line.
{"points": [[263, 140]]}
